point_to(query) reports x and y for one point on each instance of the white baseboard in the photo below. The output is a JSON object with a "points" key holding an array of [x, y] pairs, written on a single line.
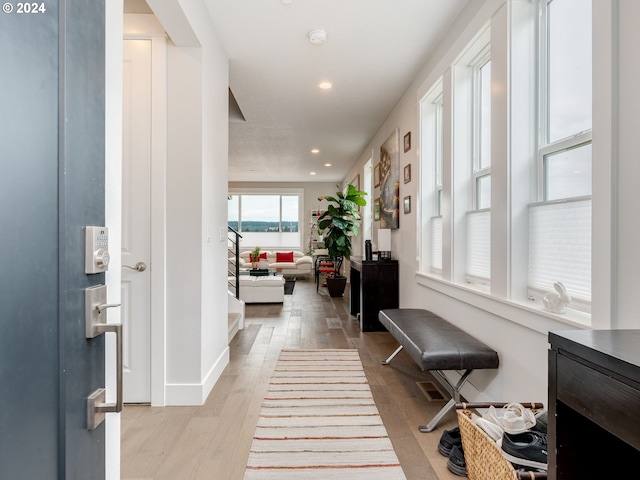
{"points": [[195, 394]]}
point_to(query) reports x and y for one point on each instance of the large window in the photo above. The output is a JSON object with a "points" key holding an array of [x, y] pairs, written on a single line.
{"points": [[478, 225], [436, 221], [482, 133], [431, 155], [266, 220], [560, 220]]}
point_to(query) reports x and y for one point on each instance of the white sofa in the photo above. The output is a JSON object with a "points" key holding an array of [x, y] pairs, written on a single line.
{"points": [[267, 289], [301, 265]]}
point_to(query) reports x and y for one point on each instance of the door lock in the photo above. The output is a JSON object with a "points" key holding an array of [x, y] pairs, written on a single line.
{"points": [[96, 256], [96, 324]]}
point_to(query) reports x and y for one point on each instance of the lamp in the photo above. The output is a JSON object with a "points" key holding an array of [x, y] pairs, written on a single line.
{"points": [[384, 244]]}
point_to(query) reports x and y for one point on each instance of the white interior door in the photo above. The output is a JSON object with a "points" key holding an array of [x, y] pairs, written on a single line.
{"points": [[136, 220]]}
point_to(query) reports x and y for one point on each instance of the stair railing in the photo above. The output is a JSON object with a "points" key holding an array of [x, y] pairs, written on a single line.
{"points": [[233, 261]]}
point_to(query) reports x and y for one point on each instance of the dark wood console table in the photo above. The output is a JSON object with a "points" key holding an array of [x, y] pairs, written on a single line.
{"points": [[594, 404], [374, 287]]}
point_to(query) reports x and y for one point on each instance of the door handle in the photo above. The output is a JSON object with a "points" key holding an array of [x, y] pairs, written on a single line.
{"points": [[96, 324], [140, 267]]}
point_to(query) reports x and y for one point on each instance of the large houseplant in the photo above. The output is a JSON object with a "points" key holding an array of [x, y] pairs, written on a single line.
{"points": [[338, 225]]}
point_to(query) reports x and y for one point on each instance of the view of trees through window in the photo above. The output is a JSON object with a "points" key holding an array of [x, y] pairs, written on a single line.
{"points": [[268, 220], [264, 213]]}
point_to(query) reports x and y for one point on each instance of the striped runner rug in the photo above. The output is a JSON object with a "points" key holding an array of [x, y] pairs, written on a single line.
{"points": [[319, 421]]}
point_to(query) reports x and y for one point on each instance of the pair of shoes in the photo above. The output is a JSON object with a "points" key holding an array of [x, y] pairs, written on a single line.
{"points": [[448, 440], [456, 463], [512, 418], [450, 445], [527, 449]]}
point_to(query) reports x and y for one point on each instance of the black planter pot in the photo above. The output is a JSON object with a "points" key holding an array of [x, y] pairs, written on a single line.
{"points": [[336, 285]]}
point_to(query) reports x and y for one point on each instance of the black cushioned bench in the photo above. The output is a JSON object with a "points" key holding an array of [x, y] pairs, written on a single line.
{"points": [[437, 345]]}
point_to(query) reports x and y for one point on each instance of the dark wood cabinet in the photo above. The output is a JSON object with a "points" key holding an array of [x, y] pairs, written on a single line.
{"points": [[374, 287], [594, 404]]}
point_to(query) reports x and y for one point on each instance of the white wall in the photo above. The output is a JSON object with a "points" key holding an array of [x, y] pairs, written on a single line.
{"points": [[518, 333], [626, 118], [197, 130]]}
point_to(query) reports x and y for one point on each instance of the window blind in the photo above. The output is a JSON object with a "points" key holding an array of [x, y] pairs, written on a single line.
{"points": [[560, 247], [436, 244], [479, 246]]}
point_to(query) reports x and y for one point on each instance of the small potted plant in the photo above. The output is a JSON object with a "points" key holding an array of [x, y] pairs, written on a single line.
{"points": [[255, 257], [338, 225]]}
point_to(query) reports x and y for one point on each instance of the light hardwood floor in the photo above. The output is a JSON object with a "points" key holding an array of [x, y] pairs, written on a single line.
{"points": [[213, 441]]}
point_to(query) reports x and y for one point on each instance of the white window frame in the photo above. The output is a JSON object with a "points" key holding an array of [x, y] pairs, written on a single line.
{"points": [[438, 157], [483, 58], [251, 239], [476, 273], [431, 186], [547, 148], [515, 140]]}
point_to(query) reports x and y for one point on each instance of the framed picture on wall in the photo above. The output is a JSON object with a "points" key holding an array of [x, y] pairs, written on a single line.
{"points": [[407, 142], [390, 181], [376, 175], [376, 209], [407, 173], [356, 182]]}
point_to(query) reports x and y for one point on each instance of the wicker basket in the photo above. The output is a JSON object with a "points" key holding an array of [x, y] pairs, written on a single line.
{"points": [[483, 456]]}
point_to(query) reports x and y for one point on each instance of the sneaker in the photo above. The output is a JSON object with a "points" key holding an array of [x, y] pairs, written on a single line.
{"points": [[517, 418], [527, 449], [448, 440], [512, 418], [456, 463], [490, 428]]}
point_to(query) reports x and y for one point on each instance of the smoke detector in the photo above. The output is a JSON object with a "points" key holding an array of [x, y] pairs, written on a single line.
{"points": [[317, 36]]}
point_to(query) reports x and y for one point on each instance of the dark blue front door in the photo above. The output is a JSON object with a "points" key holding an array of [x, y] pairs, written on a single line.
{"points": [[51, 186]]}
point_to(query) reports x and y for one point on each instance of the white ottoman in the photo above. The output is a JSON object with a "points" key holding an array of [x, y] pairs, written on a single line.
{"points": [[267, 289]]}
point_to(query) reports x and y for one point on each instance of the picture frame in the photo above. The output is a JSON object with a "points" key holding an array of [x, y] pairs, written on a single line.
{"points": [[390, 181], [356, 181], [407, 143], [407, 173], [407, 204], [376, 209], [376, 176]]}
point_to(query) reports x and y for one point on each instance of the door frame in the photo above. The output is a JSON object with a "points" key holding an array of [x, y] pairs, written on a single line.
{"points": [[158, 214]]}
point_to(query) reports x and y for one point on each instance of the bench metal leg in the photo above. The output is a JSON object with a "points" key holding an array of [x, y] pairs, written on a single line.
{"points": [[392, 356], [455, 398]]}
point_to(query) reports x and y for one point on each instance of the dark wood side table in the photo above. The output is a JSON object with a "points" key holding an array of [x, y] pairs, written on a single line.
{"points": [[374, 287], [594, 404]]}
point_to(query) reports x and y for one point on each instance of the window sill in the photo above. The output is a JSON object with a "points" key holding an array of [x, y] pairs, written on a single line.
{"points": [[529, 314]]}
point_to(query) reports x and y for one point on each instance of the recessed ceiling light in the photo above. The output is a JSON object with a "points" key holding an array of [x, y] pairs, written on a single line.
{"points": [[325, 85], [327, 164], [287, 2], [315, 150], [312, 173], [317, 36]]}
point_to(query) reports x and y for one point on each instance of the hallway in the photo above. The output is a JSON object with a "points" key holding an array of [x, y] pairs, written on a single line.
{"points": [[213, 441]]}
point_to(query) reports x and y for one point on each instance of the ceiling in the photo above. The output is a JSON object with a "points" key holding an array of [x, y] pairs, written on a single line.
{"points": [[373, 50]]}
